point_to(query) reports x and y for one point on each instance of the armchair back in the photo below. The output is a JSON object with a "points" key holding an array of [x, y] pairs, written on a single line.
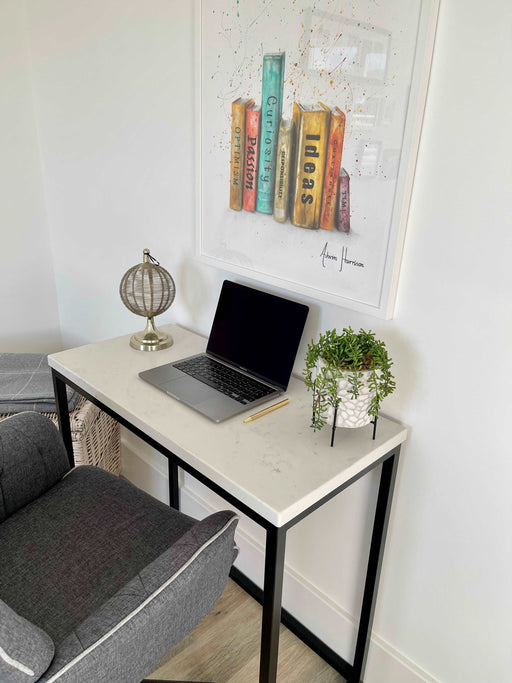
{"points": [[32, 459]]}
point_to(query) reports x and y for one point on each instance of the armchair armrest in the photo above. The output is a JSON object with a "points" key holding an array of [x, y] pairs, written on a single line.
{"points": [[32, 459], [25, 650]]}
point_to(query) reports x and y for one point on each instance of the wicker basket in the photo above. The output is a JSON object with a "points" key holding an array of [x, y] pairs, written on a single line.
{"points": [[95, 436]]}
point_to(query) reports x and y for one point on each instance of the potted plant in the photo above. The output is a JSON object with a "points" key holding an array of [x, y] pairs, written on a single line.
{"points": [[349, 374]]}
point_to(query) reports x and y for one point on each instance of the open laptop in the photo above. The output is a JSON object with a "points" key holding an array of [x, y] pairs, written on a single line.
{"points": [[249, 357]]}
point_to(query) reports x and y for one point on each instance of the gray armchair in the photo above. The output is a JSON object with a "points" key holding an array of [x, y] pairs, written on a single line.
{"points": [[98, 580]]}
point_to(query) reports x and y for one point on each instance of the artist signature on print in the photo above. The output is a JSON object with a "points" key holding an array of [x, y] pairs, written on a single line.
{"points": [[342, 260]]}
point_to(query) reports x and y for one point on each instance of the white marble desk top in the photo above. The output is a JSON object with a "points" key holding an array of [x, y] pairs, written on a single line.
{"points": [[277, 465]]}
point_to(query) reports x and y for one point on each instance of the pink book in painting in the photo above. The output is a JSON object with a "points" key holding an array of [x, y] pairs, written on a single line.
{"points": [[252, 148], [343, 222]]}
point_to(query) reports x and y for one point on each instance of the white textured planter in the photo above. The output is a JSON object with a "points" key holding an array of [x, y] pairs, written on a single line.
{"points": [[352, 412]]}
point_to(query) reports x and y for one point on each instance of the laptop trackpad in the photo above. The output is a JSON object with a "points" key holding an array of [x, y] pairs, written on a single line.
{"points": [[189, 390]]}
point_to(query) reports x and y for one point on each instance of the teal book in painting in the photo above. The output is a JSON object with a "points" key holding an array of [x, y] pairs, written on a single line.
{"points": [[271, 108]]}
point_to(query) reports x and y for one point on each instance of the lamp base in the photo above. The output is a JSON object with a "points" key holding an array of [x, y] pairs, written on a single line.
{"points": [[151, 339]]}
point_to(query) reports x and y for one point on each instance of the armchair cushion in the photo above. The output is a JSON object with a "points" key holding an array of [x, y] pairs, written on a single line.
{"points": [[25, 650], [157, 608], [70, 550], [32, 459]]}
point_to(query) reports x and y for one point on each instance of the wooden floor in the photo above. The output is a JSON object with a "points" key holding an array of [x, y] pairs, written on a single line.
{"points": [[224, 648]]}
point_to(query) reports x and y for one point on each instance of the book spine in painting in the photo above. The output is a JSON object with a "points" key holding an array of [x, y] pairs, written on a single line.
{"points": [[284, 169], [296, 114], [271, 107], [311, 151], [252, 148], [238, 109], [332, 169], [343, 222]]}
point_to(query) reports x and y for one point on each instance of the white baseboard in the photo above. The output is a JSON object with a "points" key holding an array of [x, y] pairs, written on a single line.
{"points": [[321, 615]]}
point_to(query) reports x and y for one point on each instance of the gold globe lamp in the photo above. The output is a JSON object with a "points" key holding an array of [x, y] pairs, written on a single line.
{"points": [[148, 290]]}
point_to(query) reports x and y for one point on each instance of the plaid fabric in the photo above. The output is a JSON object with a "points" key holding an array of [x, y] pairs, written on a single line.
{"points": [[26, 384]]}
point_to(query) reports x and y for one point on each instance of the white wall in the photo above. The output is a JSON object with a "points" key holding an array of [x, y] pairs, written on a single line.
{"points": [[113, 84], [30, 319], [115, 107]]}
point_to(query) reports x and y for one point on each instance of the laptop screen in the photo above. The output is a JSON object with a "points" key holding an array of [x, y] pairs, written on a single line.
{"points": [[257, 332]]}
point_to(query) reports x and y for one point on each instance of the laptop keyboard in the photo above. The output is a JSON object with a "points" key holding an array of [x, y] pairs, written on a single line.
{"points": [[226, 380]]}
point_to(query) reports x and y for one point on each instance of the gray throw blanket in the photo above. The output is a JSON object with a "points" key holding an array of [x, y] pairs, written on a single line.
{"points": [[26, 384]]}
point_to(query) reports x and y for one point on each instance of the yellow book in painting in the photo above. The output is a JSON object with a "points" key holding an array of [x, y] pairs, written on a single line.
{"points": [[310, 165], [236, 185], [284, 169]]}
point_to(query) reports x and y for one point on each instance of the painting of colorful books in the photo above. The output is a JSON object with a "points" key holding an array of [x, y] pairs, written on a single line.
{"points": [[309, 120], [289, 168]]}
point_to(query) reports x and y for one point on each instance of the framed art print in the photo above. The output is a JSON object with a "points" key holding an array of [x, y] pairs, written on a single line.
{"points": [[309, 118]]}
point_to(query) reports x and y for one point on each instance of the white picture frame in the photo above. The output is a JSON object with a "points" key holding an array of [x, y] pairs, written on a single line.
{"points": [[373, 61]]}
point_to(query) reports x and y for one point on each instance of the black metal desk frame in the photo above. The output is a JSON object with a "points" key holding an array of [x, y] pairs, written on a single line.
{"points": [[271, 595]]}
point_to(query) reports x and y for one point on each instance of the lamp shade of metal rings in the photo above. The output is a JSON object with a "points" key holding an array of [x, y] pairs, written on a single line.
{"points": [[148, 290]]}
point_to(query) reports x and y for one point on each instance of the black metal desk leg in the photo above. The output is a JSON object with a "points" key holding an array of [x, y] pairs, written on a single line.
{"points": [[61, 404], [174, 493], [272, 593], [380, 526]]}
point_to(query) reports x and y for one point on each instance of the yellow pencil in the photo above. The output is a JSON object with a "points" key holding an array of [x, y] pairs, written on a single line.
{"points": [[265, 411]]}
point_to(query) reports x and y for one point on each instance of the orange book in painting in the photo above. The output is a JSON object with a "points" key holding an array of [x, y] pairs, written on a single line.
{"points": [[252, 151], [238, 109], [332, 168]]}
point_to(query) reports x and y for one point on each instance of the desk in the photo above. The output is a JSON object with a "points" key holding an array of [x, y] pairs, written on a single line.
{"points": [[276, 469]]}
